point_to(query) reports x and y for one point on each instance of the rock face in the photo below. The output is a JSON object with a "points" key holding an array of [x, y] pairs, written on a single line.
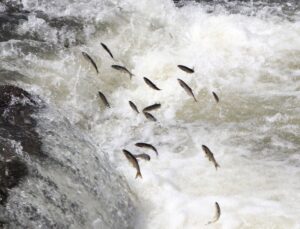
{"points": [[16, 124], [51, 175]]}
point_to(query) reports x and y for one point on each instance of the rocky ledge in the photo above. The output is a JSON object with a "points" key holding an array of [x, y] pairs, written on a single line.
{"points": [[51, 175]]}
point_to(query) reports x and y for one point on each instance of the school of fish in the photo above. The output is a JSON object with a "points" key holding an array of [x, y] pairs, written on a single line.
{"points": [[133, 158]]}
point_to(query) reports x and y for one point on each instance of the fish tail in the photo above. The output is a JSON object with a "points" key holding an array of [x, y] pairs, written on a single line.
{"points": [[195, 99], [217, 166], [138, 174]]}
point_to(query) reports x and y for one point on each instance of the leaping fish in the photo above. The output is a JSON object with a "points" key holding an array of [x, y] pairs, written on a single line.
{"points": [[134, 162], [107, 50], [210, 156], [150, 116], [143, 156], [187, 89], [150, 84], [146, 145], [133, 106], [122, 69], [103, 98], [152, 107], [216, 97], [217, 214], [87, 57], [186, 69]]}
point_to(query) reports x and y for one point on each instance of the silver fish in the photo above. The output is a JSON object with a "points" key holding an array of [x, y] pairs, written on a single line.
{"points": [[185, 69], [216, 97], [150, 116], [107, 50], [146, 145], [133, 106], [103, 98], [217, 214], [143, 156], [150, 84], [152, 107], [122, 69], [134, 162], [210, 156], [87, 57], [187, 89]]}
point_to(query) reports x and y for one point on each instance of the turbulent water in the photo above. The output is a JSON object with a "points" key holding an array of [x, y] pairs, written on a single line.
{"points": [[248, 53]]}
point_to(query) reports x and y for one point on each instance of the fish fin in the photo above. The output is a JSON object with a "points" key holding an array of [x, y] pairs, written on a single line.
{"points": [[138, 174]]}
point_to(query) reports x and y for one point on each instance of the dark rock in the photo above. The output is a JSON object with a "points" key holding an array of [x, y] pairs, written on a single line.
{"points": [[16, 121], [12, 169], [9, 92], [57, 184], [16, 126]]}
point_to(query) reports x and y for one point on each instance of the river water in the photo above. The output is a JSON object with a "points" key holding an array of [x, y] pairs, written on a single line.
{"points": [[246, 52]]}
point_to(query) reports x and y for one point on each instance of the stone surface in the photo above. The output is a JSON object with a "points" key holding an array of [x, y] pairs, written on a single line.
{"points": [[16, 125]]}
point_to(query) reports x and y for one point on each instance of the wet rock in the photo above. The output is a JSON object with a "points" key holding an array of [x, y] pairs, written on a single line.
{"points": [[16, 126], [12, 169], [16, 122], [62, 183]]}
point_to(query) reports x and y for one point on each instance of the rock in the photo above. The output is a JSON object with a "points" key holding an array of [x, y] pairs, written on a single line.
{"points": [[12, 169], [16, 125], [16, 122], [51, 174]]}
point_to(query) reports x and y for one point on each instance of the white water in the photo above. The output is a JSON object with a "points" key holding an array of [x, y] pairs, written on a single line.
{"points": [[252, 63]]}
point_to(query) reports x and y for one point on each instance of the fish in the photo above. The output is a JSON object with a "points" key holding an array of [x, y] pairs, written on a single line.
{"points": [[122, 69], [150, 116], [103, 98], [187, 89], [185, 69], [216, 97], [152, 107], [143, 156], [87, 57], [217, 215], [146, 145], [210, 156], [150, 84], [134, 162], [107, 50], [133, 106]]}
